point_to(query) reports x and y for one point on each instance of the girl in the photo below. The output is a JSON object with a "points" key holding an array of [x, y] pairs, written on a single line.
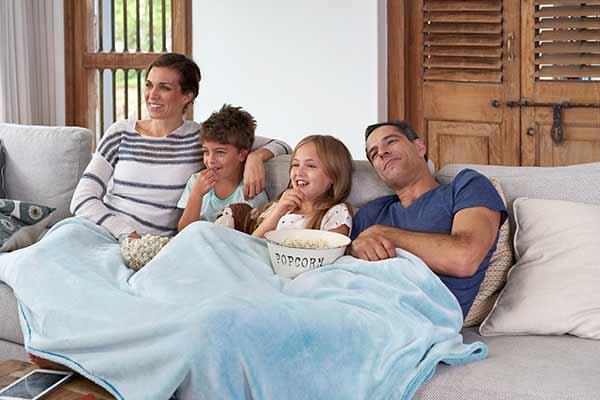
{"points": [[320, 181]]}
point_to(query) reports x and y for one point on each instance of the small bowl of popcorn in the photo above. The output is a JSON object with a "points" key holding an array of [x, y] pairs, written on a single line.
{"points": [[294, 251], [137, 252]]}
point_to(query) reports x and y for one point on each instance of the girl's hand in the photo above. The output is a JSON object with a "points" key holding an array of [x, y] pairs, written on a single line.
{"points": [[254, 175], [205, 181], [290, 200]]}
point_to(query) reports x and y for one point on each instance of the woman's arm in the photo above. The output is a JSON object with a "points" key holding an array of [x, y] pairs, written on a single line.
{"points": [[275, 146], [254, 171], [87, 198]]}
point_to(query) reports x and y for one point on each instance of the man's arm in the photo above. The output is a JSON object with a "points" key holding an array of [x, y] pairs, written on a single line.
{"points": [[458, 254]]}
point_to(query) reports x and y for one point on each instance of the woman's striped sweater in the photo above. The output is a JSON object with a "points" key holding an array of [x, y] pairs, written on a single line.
{"points": [[133, 182]]}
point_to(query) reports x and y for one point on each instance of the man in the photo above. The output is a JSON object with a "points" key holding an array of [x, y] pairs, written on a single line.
{"points": [[453, 228]]}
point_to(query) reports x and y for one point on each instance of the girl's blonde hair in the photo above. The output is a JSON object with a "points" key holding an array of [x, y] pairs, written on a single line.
{"points": [[337, 165]]}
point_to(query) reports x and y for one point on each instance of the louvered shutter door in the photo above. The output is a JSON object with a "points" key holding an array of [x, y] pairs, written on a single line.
{"points": [[567, 39], [462, 40]]}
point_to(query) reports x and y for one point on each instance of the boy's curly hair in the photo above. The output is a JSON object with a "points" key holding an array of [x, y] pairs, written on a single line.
{"points": [[230, 125]]}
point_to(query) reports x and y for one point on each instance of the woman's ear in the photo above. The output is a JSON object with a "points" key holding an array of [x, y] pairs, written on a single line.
{"points": [[243, 155], [188, 97]]}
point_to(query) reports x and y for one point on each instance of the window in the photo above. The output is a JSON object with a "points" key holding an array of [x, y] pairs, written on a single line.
{"points": [[567, 40], [462, 40], [109, 44]]}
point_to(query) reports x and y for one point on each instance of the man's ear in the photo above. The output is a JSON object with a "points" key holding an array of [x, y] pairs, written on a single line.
{"points": [[243, 155], [421, 146]]}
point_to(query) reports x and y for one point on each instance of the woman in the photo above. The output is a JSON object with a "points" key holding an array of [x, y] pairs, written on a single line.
{"points": [[140, 168]]}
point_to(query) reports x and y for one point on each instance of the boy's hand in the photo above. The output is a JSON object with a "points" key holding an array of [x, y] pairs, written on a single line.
{"points": [[290, 200], [205, 181], [254, 176]]}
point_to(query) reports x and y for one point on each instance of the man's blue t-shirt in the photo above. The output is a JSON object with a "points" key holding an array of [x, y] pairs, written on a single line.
{"points": [[434, 212]]}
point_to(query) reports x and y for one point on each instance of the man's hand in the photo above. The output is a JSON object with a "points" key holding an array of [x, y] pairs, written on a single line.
{"points": [[372, 245], [254, 175]]}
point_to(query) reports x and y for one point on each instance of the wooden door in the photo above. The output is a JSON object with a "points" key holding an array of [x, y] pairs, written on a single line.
{"points": [[465, 54], [561, 62]]}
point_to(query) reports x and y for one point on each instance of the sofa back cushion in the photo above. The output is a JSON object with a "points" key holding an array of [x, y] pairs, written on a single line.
{"points": [[43, 164], [579, 183], [366, 185]]}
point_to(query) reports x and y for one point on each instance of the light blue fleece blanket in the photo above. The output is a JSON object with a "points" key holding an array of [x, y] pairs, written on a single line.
{"points": [[208, 318]]}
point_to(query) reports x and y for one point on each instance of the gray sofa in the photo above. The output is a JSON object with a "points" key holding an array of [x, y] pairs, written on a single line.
{"points": [[42, 165], [517, 367]]}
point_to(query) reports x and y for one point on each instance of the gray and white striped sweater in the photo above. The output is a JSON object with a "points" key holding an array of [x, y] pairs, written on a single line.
{"points": [[133, 182]]}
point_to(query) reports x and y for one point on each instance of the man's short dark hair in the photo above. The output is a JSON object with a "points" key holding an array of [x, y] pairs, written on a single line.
{"points": [[401, 126]]}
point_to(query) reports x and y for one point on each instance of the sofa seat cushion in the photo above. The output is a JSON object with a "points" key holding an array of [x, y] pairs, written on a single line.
{"points": [[521, 367], [10, 328]]}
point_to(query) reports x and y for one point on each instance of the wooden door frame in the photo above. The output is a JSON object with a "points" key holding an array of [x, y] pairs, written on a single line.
{"points": [[396, 67], [404, 72], [80, 76]]}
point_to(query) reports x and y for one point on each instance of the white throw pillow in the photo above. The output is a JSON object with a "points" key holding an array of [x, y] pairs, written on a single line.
{"points": [[554, 288]]}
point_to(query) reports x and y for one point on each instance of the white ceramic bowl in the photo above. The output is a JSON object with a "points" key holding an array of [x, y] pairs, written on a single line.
{"points": [[290, 261]]}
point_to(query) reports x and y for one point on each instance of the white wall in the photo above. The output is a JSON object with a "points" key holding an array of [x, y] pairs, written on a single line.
{"points": [[300, 67]]}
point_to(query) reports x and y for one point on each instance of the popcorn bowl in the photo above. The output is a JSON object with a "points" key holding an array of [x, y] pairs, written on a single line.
{"points": [[137, 252], [294, 251]]}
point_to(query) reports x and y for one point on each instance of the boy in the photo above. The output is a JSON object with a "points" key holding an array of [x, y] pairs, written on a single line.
{"points": [[226, 137]]}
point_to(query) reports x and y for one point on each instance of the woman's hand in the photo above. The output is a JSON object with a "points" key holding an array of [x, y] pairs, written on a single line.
{"points": [[254, 175], [205, 181]]}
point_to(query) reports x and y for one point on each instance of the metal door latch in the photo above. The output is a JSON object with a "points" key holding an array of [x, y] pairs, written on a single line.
{"points": [[556, 132]]}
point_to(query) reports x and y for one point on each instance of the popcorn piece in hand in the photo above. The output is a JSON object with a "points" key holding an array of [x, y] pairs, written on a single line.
{"points": [[138, 252]]}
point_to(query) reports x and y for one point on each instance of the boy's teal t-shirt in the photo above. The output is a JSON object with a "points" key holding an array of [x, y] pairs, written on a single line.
{"points": [[212, 206]]}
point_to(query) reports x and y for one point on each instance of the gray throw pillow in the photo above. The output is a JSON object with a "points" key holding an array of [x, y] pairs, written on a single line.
{"points": [[21, 223]]}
